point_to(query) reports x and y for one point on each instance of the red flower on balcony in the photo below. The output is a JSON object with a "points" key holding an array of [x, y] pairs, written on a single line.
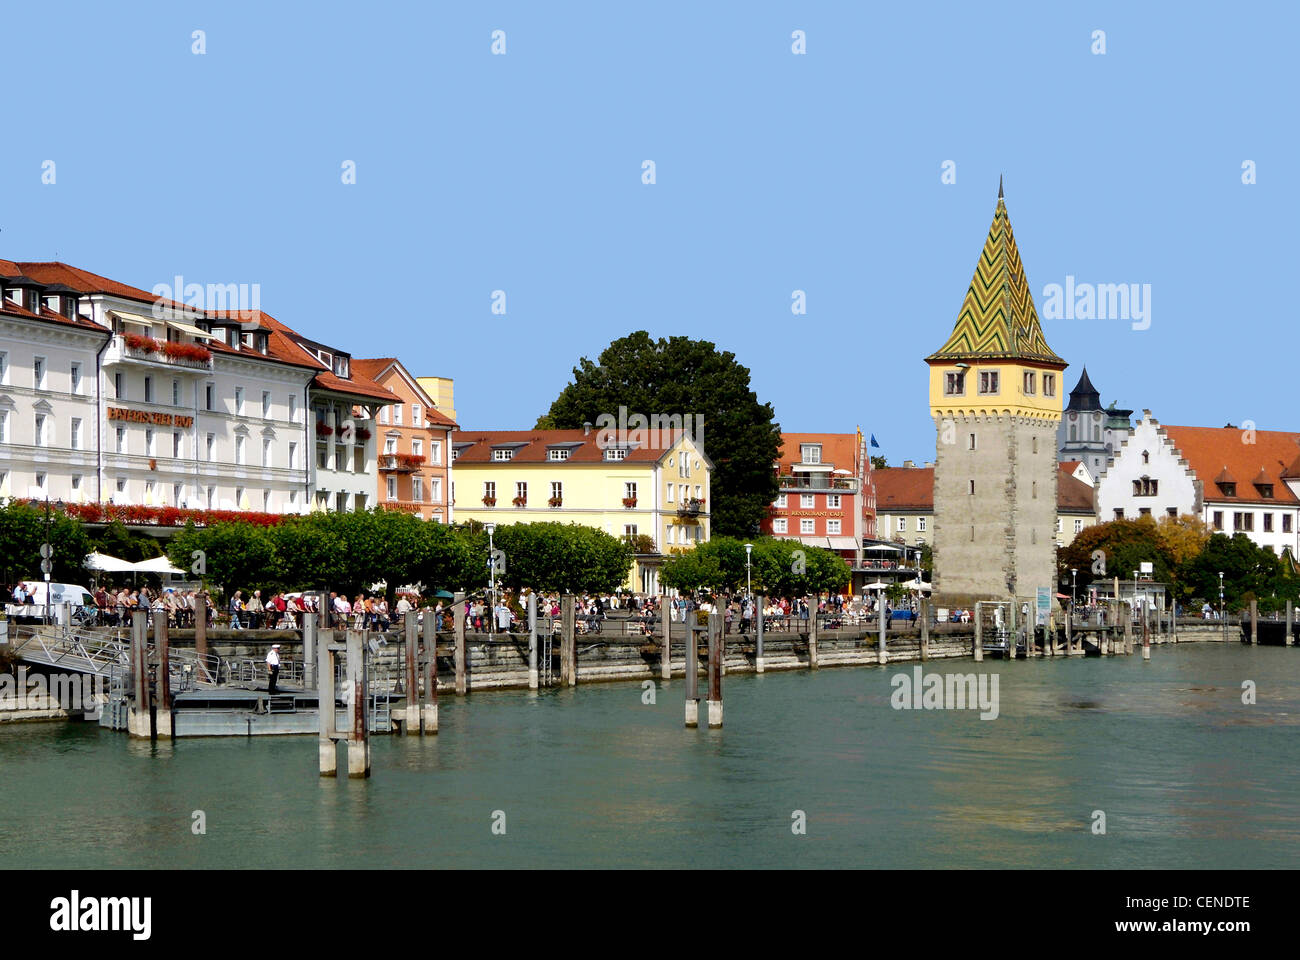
{"points": [[629, 502], [489, 501], [555, 501], [324, 429], [362, 434], [137, 341], [409, 459], [175, 350], [520, 501]]}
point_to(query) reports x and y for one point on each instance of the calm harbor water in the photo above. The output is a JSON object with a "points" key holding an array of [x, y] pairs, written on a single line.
{"points": [[1186, 774]]}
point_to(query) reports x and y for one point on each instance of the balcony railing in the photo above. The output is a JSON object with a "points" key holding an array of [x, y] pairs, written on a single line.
{"points": [[400, 462], [690, 508], [166, 353], [817, 483]]}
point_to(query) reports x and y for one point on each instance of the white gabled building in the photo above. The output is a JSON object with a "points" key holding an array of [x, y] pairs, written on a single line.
{"points": [[1238, 481]]}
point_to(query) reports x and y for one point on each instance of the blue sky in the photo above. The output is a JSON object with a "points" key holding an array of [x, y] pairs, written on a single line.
{"points": [[775, 172]]}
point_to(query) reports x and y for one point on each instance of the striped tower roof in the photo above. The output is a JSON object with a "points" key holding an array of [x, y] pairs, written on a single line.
{"points": [[998, 320]]}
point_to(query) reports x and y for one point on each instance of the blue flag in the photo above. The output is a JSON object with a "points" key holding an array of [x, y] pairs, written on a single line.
{"points": [[873, 441]]}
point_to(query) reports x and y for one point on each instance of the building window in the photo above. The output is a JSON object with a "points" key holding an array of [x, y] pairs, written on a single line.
{"points": [[489, 490], [148, 389], [390, 445], [397, 415], [239, 498], [266, 501], [417, 415], [1265, 490], [970, 442], [972, 487], [670, 493], [293, 409], [266, 451], [807, 526], [120, 440], [208, 396], [176, 444], [1286, 523], [74, 434], [1218, 520], [902, 524], [435, 451], [1029, 383], [807, 501], [780, 525], [1243, 522], [1033, 490], [4, 368], [810, 453], [611, 453], [76, 378], [1078, 526], [988, 381], [211, 446], [1033, 444], [121, 486], [266, 404], [1228, 489], [920, 524], [1146, 487], [954, 384], [392, 488], [832, 527], [211, 494], [38, 373], [1268, 523], [780, 499], [239, 401], [239, 449], [557, 491], [629, 490], [435, 491], [832, 500], [1146, 456], [417, 447], [1049, 384], [417, 489], [500, 455]]}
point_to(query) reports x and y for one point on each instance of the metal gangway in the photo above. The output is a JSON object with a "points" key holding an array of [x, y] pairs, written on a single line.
{"points": [[103, 655]]}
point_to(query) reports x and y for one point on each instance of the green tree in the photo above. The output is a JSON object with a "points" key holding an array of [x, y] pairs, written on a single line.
{"points": [[22, 531], [1124, 546], [680, 376], [1250, 572], [565, 557], [117, 541], [233, 555]]}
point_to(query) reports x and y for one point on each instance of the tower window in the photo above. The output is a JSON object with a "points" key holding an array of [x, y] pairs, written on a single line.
{"points": [[954, 384], [1049, 384], [972, 487], [1029, 382], [988, 381], [972, 442]]}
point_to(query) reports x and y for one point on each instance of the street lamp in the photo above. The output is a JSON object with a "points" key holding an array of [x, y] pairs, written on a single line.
{"points": [[749, 550], [1074, 586], [492, 578], [1223, 614]]}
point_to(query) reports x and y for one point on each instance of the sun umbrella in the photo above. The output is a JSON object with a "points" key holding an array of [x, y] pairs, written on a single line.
{"points": [[444, 595], [106, 564], [156, 565]]}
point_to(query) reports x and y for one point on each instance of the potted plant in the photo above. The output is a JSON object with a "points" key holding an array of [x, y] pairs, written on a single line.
{"points": [[489, 501], [520, 501], [323, 429], [362, 434], [555, 501], [629, 502]]}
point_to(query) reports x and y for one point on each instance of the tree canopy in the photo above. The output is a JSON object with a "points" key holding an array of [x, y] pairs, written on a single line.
{"points": [[680, 376], [23, 530], [778, 567]]}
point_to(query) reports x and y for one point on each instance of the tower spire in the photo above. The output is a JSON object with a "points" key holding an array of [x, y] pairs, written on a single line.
{"points": [[999, 186]]}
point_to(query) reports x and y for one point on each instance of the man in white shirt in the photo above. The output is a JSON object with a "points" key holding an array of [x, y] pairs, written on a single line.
{"points": [[273, 666]]}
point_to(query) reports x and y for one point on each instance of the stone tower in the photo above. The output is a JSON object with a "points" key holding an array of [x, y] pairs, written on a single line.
{"points": [[995, 395]]}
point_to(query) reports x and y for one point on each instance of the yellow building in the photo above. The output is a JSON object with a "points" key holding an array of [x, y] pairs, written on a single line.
{"points": [[440, 391], [651, 484]]}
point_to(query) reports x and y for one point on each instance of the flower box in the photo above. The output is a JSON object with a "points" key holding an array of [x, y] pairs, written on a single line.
{"points": [[324, 429], [186, 351], [629, 502], [555, 501], [362, 434], [137, 341], [489, 501], [520, 501]]}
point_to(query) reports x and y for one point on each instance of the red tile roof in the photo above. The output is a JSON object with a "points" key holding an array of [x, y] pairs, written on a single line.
{"points": [[375, 367], [1217, 452], [838, 450], [533, 446], [1072, 494], [903, 489]]}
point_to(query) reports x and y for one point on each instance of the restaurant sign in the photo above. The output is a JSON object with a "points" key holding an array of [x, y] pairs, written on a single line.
{"points": [[148, 416]]}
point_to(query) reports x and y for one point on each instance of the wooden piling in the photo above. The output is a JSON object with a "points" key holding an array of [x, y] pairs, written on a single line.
{"points": [[1069, 633], [137, 723], [163, 691], [666, 650], [759, 625], [568, 643], [1254, 623], [692, 675], [532, 641], [812, 635], [1290, 623], [309, 640], [458, 614], [715, 670], [925, 628], [978, 649], [1146, 635], [325, 708], [412, 649], [201, 624], [359, 689]]}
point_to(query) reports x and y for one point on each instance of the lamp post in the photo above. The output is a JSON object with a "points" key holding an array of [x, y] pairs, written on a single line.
{"points": [[1223, 613], [749, 550], [492, 578], [1074, 588]]}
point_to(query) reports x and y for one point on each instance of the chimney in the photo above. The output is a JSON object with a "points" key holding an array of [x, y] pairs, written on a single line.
{"points": [[909, 464], [586, 428]]}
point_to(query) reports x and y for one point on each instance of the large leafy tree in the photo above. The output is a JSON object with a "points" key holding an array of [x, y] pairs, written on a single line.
{"points": [[1115, 549], [680, 376], [22, 531], [231, 555], [778, 567], [558, 556]]}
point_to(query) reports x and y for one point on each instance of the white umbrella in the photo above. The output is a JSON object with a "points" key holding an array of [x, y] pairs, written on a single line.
{"points": [[156, 565], [888, 548], [918, 585], [106, 564], [878, 585]]}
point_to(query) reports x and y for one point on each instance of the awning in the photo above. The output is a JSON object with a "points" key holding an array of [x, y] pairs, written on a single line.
{"points": [[135, 318], [842, 543], [189, 328]]}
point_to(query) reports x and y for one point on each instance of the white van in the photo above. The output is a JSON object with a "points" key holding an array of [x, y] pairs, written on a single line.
{"points": [[59, 593]]}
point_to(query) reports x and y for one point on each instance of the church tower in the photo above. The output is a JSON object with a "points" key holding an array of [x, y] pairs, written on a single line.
{"points": [[995, 395]]}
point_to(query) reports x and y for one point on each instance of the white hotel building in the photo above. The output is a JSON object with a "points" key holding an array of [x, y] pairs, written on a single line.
{"points": [[108, 395]]}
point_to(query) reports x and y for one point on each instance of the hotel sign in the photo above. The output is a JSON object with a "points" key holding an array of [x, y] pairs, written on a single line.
{"points": [[147, 416]]}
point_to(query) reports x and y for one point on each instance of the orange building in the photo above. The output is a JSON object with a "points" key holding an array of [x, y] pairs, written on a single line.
{"points": [[413, 444]]}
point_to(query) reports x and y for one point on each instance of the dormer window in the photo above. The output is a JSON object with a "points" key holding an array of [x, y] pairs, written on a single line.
{"points": [[1228, 488], [501, 455], [616, 453], [341, 366], [557, 454], [810, 453], [1265, 490]]}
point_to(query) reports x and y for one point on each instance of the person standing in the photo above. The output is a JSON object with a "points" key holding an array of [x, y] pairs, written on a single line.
{"points": [[273, 666]]}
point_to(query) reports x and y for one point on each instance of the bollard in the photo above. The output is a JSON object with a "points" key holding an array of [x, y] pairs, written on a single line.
{"points": [[458, 611], [692, 676], [412, 645], [760, 603], [715, 670], [164, 688], [359, 701], [925, 628], [812, 636], [979, 636], [568, 643], [666, 651], [532, 641], [1254, 623]]}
